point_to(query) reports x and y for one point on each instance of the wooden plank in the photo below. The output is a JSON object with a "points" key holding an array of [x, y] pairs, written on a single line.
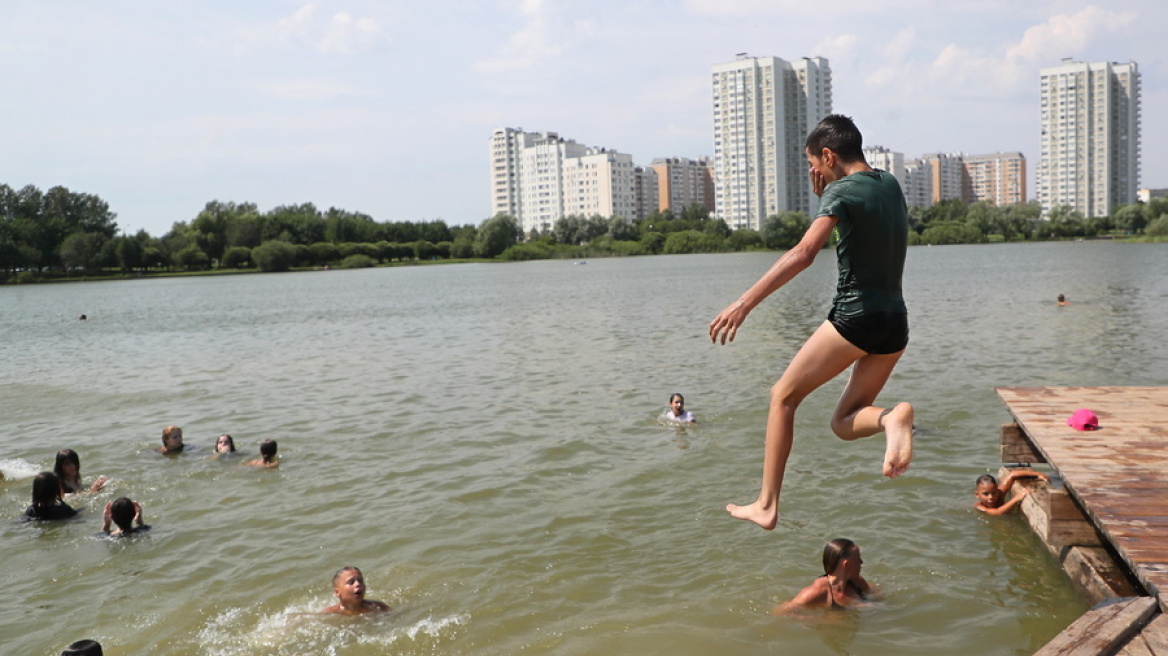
{"points": [[1016, 447], [1155, 635], [1103, 629]]}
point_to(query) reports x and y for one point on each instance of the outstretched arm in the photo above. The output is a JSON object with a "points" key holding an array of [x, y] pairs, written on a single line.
{"points": [[1007, 506], [107, 517], [726, 324], [1014, 475]]}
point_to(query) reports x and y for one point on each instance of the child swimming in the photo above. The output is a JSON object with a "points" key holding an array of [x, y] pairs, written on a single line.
{"points": [[267, 455], [840, 586], [349, 589], [123, 513], [46, 499], [172, 440]]}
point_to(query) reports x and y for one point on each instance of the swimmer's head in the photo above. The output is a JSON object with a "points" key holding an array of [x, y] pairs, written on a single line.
{"points": [[122, 513], [1062, 299], [83, 648], [349, 586], [838, 550], [677, 403], [46, 489], [268, 450], [987, 492], [172, 440], [68, 464], [224, 444]]}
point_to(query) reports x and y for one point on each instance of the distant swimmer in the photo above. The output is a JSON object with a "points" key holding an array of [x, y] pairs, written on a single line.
{"points": [[841, 585], [267, 455], [126, 515], [46, 499], [68, 471], [83, 648], [349, 589], [991, 497], [172, 440], [867, 328], [1062, 300], [677, 412], [224, 444]]}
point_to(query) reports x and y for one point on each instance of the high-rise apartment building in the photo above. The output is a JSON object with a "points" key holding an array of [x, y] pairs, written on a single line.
{"points": [[763, 109], [539, 177], [917, 184], [879, 157], [999, 178], [682, 182], [1090, 139], [949, 177]]}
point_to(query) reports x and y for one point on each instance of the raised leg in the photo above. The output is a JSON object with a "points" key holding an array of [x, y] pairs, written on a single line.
{"points": [[856, 417]]}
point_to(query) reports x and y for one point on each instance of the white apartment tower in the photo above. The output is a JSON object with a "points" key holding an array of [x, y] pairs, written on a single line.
{"points": [[918, 183], [539, 177], [1090, 140], [763, 109], [879, 157]]}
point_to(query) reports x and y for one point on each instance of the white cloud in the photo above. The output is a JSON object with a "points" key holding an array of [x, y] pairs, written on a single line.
{"points": [[337, 34], [543, 36], [1067, 35]]}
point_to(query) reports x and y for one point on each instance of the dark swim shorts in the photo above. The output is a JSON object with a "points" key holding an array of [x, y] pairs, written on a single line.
{"points": [[877, 333]]}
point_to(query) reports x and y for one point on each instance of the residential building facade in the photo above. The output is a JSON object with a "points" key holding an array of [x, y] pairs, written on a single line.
{"points": [[682, 182], [763, 109], [539, 177], [999, 178], [1090, 136]]}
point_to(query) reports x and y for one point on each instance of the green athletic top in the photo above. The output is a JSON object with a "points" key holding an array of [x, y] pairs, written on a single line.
{"points": [[873, 234]]}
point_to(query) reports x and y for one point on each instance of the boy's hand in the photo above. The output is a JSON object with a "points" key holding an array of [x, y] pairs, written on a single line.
{"points": [[817, 182]]}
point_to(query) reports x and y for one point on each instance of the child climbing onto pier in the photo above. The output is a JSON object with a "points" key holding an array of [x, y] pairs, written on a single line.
{"points": [[867, 328], [991, 497]]}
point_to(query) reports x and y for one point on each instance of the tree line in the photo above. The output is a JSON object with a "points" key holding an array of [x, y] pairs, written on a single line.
{"points": [[62, 233]]}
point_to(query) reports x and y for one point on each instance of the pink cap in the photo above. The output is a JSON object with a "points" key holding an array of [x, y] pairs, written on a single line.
{"points": [[1083, 420]]}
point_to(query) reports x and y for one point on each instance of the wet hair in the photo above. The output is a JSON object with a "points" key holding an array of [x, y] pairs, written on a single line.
{"points": [[1062, 299], [839, 134], [83, 648], [63, 456], [46, 489], [172, 431], [268, 450], [347, 568], [985, 478], [834, 552], [230, 442], [122, 513], [676, 395]]}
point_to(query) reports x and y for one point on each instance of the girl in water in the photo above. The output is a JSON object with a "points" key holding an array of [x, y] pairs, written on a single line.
{"points": [[841, 585], [224, 444], [46, 499], [677, 411], [267, 455], [68, 471]]}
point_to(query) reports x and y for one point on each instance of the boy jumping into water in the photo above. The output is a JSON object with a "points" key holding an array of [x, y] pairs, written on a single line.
{"points": [[867, 328]]}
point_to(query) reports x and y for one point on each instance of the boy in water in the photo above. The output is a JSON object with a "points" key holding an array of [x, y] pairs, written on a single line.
{"points": [[349, 589], [867, 328], [991, 498], [267, 455], [123, 513]]}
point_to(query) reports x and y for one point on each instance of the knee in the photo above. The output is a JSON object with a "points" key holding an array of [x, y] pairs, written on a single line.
{"points": [[785, 397], [841, 425]]}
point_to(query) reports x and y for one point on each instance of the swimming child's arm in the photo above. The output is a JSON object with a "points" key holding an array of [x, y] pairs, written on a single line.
{"points": [[813, 595], [1005, 507], [1014, 475]]}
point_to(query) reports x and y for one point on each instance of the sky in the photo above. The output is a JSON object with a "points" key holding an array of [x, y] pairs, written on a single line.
{"points": [[387, 108]]}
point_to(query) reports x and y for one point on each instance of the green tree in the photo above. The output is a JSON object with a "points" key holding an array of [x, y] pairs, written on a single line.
{"points": [[496, 235], [192, 258], [129, 253], [82, 251], [784, 230], [274, 255], [1131, 218], [236, 257], [323, 252]]}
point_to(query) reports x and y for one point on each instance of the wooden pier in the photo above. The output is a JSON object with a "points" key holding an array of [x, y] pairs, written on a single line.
{"points": [[1105, 518]]}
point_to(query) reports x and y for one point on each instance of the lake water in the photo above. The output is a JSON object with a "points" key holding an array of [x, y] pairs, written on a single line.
{"points": [[482, 440]]}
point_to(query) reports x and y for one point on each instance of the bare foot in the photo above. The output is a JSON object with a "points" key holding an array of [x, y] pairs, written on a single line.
{"points": [[755, 512], [898, 429]]}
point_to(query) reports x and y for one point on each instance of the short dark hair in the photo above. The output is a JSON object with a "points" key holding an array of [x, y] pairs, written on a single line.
{"points": [[985, 478], [268, 449], [676, 395], [346, 568], [83, 648], [122, 513], [839, 134]]}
